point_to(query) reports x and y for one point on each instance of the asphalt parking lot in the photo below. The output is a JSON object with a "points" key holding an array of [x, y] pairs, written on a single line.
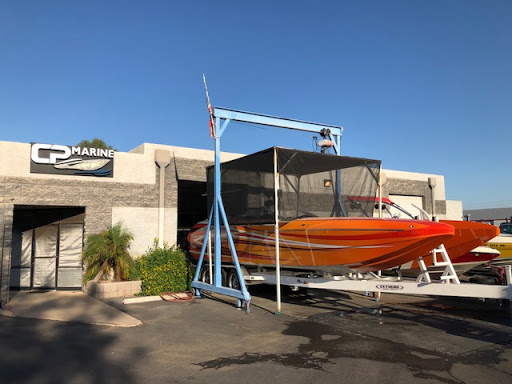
{"points": [[321, 336]]}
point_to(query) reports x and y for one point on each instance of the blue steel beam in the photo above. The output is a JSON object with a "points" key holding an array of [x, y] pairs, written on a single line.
{"points": [[224, 125], [336, 139], [201, 256], [216, 214], [222, 290], [273, 121], [243, 288]]}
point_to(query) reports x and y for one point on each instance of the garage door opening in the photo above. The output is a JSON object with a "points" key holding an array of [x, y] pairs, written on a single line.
{"points": [[47, 245], [192, 208]]}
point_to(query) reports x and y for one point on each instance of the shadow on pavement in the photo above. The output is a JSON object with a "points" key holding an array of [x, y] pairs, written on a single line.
{"points": [[483, 321], [42, 351], [71, 306], [51, 340]]}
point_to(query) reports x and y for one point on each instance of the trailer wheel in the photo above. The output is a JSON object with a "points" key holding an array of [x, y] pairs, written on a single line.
{"points": [[233, 280], [224, 277], [205, 275]]}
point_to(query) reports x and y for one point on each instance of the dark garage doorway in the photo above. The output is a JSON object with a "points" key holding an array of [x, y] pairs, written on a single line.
{"points": [[192, 208], [47, 247]]}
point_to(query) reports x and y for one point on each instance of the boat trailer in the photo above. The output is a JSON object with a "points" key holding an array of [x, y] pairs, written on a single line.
{"points": [[387, 284], [447, 284]]}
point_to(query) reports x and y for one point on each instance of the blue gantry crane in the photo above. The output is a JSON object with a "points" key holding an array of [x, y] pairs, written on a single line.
{"points": [[219, 120]]}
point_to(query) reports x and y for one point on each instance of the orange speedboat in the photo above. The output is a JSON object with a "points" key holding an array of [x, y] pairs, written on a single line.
{"points": [[332, 244], [462, 264], [468, 236], [319, 229]]}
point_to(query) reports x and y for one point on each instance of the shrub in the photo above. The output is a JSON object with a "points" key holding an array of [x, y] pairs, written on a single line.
{"points": [[106, 253], [164, 269]]}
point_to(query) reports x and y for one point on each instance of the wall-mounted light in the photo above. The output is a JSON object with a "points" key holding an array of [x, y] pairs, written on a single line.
{"points": [[327, 183]]}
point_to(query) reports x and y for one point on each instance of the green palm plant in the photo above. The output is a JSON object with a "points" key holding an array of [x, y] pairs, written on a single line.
{"points": [[107, 252]]}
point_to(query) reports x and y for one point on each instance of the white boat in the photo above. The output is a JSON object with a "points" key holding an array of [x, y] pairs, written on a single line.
{"points": [[82, 165]]}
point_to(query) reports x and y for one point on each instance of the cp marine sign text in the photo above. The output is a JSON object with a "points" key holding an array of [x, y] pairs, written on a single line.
{"points": [[70, 160]]}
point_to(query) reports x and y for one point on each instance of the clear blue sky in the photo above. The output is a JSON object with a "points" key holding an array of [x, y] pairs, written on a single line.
{"points": [[425, 86]]}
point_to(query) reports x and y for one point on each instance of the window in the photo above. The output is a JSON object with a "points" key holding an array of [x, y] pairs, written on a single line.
{"points": [[506, 228]]}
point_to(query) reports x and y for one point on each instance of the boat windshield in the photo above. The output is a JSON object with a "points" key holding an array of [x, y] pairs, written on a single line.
{"points": [[506, 228], [389, 208]]}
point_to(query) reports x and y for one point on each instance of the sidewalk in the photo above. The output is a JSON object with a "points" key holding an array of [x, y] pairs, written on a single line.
{"points": [[71, 306]]}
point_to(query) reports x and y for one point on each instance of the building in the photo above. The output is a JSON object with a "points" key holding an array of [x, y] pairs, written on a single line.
{"points": [[52, 196], [494, 216]]}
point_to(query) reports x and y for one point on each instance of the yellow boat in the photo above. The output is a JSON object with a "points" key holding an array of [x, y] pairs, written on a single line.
{"points": [[503, 244]]}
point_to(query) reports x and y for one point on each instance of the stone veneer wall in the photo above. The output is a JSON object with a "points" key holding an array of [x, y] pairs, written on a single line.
{"points": [[191, 169], [414, 188], [97, 197], [6, 218]]}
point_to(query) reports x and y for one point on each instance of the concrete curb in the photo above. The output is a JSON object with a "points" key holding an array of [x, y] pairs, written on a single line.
{"points": [[67, 306], [143, 299], [7, 313]]}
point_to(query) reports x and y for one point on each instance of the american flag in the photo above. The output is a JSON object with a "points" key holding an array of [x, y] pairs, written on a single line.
{"points": [[210, 110]]}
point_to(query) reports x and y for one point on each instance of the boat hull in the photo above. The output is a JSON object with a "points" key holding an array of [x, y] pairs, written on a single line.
{"points": [[479, 256], [356, 244], [468, 236], [503, 244]]}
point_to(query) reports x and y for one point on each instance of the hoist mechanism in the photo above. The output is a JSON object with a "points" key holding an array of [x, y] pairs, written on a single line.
{"points": [[325, 143]]}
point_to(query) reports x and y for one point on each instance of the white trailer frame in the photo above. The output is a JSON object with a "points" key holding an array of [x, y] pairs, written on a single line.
{"points": [[448, 283], [374, 283]]}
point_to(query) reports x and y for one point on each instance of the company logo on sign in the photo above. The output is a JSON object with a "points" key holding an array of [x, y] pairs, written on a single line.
{"points": [[66, 160], [390, 287]]}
